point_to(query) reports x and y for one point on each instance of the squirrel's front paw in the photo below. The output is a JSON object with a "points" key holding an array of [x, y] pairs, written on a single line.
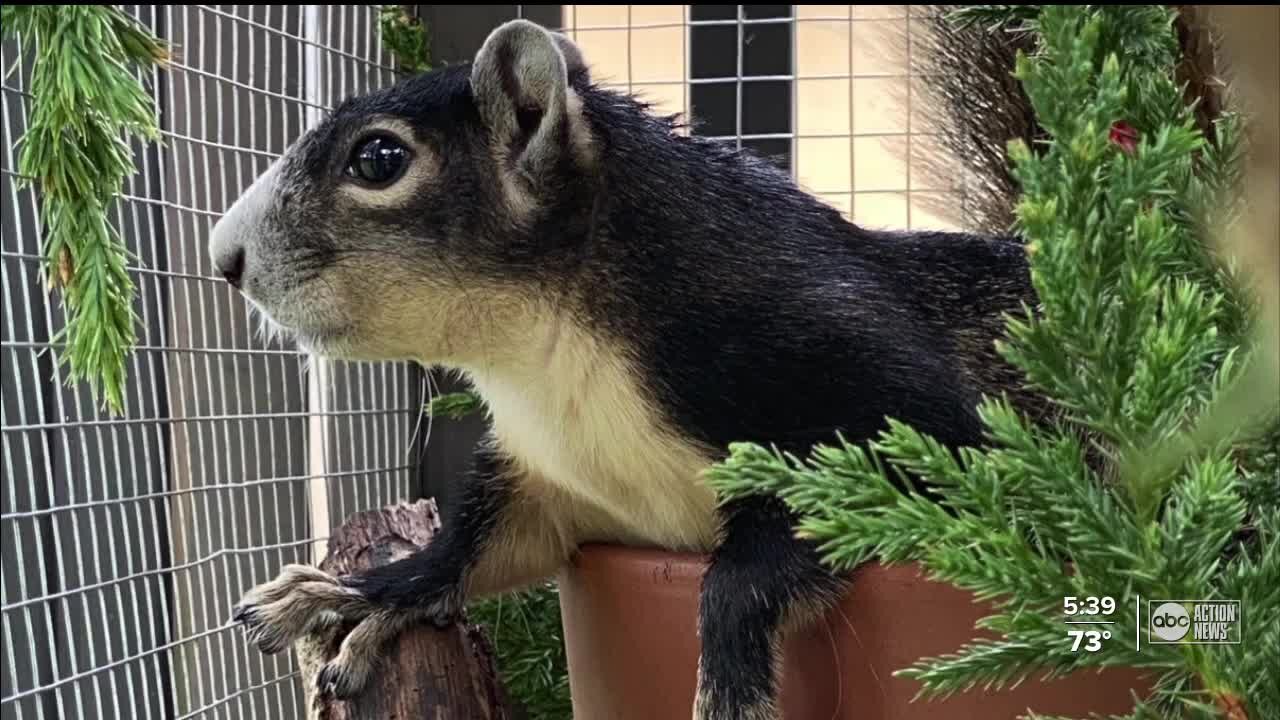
{"points": [[347, 674], [299, 600], [362, 649]]}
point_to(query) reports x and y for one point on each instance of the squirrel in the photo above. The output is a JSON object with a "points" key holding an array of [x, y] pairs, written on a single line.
{"points": [[628, 300]]}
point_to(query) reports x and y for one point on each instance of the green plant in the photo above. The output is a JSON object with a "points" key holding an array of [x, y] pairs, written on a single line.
{"points": [[86, 104], [405, 37], [454, 406], [1138, 332], [526, 633]]}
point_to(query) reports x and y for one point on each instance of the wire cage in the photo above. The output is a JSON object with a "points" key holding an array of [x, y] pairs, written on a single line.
{"points": [[126, 540]]}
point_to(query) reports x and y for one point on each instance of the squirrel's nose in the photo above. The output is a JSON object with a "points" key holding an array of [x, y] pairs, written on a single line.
{"points": [[232, 266], [232, 239]]}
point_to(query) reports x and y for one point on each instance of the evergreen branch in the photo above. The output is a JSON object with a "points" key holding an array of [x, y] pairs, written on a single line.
{"points": [[844, 495], [1253, 577], [455, 405], [528, 638], [1260, 466], [1010, 18], [996, 665], [1204, 514], [405, 36], [87, 103]]}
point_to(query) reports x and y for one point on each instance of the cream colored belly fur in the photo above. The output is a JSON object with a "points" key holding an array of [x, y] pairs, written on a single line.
{"points": [[577, 420]]}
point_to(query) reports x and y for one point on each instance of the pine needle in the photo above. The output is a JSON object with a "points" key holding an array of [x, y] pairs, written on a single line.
{"points": [[1138, 333], [87, 104]]}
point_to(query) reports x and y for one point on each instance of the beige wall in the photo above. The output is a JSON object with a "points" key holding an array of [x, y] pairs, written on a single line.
{"points": [[854, 133]]}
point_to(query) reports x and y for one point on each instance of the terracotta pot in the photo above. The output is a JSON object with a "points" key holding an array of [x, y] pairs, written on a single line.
{"points": [[630, 626]]}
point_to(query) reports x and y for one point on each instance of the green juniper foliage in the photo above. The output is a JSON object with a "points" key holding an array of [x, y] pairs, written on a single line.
{"points": [[86, 103], [454, 406], [405, 37], [1138, 333], [527, 636]]}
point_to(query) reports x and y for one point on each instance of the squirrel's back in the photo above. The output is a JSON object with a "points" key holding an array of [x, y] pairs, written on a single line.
{"points": [[759, 312]]}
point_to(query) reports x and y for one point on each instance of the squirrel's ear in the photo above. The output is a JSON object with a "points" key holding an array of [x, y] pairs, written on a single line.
{"points": [[520, 80]]}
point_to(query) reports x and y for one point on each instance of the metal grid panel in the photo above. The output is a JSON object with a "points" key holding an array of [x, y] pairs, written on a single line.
{"points": [[853, 131], [126, 540]]}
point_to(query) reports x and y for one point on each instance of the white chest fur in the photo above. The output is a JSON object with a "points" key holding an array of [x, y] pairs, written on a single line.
{"points": [[578, 418]]}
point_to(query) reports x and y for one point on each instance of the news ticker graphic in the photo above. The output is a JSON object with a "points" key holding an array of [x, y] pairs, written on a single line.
{"points": [[1082, 612], [1195, 622]]}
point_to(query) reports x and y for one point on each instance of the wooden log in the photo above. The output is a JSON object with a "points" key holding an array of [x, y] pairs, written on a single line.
{"points": [[428, 673]]}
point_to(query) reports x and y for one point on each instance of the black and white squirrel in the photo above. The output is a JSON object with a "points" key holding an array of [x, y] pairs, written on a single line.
{"points": [[628, 301]]}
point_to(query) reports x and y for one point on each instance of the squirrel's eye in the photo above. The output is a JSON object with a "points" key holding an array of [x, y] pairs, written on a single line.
{"points": [[378, 161]]}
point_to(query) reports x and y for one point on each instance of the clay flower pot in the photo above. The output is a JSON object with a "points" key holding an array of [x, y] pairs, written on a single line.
{"points": [[630, 628]]}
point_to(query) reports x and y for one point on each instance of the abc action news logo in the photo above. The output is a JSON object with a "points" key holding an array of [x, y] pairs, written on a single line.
{"points": [[1194, 621]]}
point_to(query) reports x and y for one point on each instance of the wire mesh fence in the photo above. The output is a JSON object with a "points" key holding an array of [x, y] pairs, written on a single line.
{"points": [[127, 539], [829, 92]]}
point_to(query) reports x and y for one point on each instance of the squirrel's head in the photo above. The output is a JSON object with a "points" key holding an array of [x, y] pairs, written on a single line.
{"points": [[414, 220]]}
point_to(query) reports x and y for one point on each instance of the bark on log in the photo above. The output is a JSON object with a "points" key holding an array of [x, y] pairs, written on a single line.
{"points": [[428, 673]]}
